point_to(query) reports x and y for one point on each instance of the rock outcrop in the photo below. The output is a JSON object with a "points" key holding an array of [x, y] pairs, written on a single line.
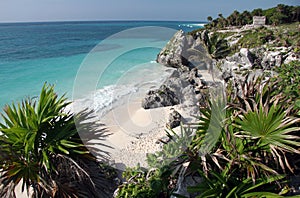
{"points": [[182, 87], [161, 97], [173, 54], [253, 60], [243, 58], [189, 55], [184, 50]]}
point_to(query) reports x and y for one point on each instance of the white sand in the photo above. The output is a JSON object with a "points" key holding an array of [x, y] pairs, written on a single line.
{"points": [[136, 131]]}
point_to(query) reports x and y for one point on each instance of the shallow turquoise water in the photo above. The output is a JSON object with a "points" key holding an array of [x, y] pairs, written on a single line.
{"points": [[34, 53]]}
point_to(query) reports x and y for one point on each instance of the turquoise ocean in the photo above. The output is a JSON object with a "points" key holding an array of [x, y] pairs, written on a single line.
{"points": [[53, 52]]}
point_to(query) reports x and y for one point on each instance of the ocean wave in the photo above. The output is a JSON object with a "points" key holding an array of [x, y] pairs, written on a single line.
{"points": [[110, 96], [135, 86], [101, 101], [192, 25]]}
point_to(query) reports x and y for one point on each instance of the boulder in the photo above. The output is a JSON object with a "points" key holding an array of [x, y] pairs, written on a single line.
{"points": [[291, 57], [174, 119], [161, 97], [271, 59], [242, 59], [246, 58], [184, 182], [226, 75]]}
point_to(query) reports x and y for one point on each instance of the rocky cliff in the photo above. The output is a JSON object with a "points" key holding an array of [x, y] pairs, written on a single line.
{"points": [[193, 54], [184, 50]]}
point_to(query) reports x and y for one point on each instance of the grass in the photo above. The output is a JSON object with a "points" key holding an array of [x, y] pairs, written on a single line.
{"points": [[272, 36], [284, 35]]}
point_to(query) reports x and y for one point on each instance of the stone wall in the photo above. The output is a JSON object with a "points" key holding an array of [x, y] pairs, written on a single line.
{"points": [[259, 20]]}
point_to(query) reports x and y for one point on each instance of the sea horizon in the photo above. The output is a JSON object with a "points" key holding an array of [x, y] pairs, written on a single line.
{"points": [[104, 20]]}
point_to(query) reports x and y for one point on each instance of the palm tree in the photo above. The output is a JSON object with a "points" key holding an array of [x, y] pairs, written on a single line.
{"points": [[257, 12], [209, 18], [41, 148], [270, 130], [246, 17], [236, 16], [222, 20], [263, 122]]}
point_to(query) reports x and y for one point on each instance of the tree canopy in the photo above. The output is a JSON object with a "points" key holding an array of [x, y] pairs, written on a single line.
{"points": [[280, 14]]}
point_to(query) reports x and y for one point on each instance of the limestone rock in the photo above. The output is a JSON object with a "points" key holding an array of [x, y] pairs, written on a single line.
{"points": [[271, 59], [172, 54], [185, 50], [243, 59], [291, 57], [161, 97], [184, 183], [174, 119]]}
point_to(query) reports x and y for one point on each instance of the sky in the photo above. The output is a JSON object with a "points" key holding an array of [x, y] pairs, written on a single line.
{"points": [[84, 10]]}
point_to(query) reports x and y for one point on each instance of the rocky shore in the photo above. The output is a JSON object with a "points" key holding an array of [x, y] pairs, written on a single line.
{"points": [[190, 56], [176, 102], [188, 87]]}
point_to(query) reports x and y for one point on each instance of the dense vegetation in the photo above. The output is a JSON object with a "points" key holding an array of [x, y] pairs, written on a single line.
{"points": [[282, 35], [274, 16], [255, 155], [223, 43], [40, 149]]}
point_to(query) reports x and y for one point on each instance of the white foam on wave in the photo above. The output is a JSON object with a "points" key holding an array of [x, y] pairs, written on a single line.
{"points": [[199, 24], [108, 97], [134, 84], [192, 25]]}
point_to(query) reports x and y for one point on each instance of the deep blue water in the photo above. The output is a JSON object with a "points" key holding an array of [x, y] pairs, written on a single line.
{"points": [[34, 53]]}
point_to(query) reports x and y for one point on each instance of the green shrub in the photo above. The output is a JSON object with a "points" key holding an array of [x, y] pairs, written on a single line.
{"points": [[41, 149], [141, 183], [287, 83]]}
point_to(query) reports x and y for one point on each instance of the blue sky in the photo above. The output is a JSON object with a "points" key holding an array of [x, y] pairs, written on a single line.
{"points": [[65, 10]]}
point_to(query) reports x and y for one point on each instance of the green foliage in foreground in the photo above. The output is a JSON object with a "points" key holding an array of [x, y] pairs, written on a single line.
{"points": [[41, 149], [255, 153], [141, 183], [224, 185]]}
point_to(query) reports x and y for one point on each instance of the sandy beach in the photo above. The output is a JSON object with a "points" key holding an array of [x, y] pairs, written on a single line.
{"points": [[136, 131]]}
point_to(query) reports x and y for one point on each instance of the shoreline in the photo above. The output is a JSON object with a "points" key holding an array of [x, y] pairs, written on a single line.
{"points": [[136, 131]]}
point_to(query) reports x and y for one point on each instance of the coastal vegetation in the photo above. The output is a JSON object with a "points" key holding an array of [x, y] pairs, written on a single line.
{"points": [[258, 149], [221, 43], [281, 14], [41, 150], [255, 155]]}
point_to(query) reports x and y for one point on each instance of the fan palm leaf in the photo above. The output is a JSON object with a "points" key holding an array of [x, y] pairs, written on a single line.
{"points": [[271, 130], [34, 134]]}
